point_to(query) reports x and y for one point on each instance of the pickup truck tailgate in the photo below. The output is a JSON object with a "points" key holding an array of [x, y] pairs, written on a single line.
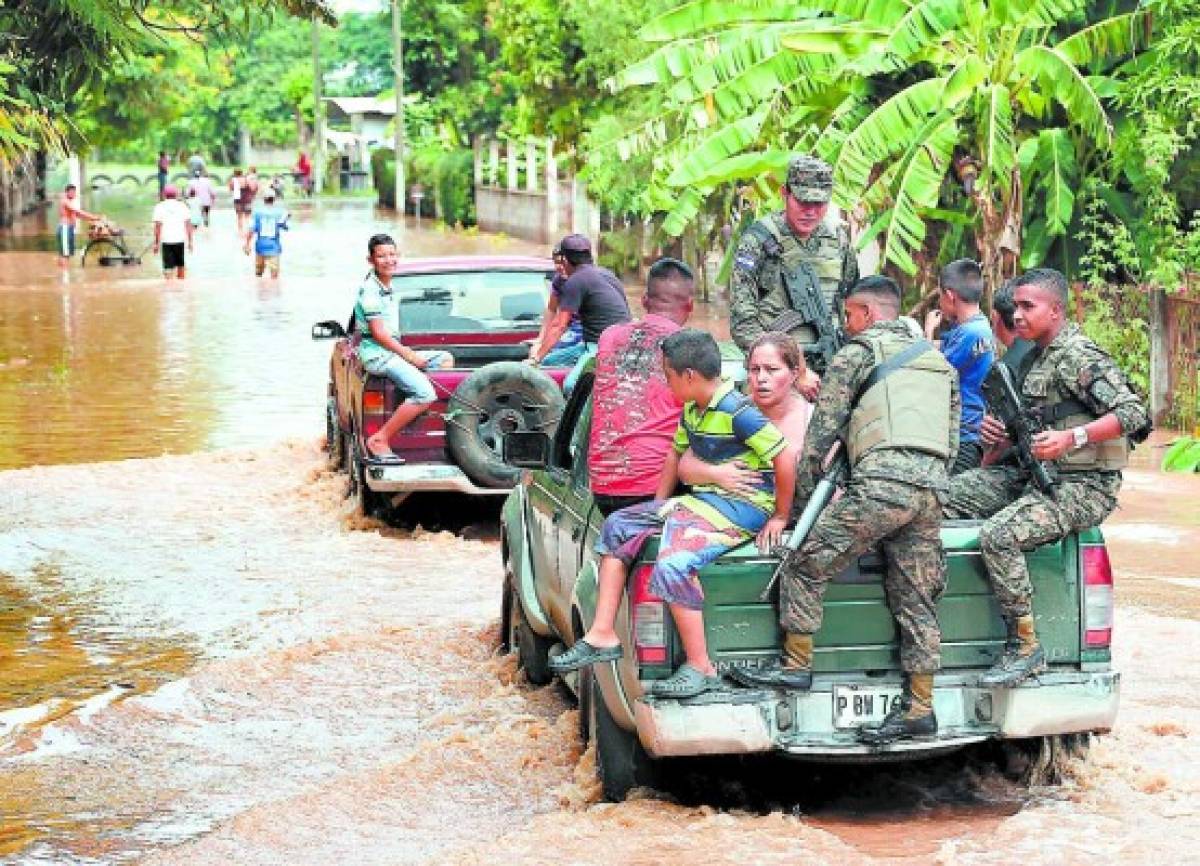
{"points": [[859, 634]]}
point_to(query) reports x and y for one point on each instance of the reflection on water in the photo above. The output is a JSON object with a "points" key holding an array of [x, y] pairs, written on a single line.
{"points": [[105, 363]]}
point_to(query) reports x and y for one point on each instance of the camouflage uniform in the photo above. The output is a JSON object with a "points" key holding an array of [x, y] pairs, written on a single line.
{"points": [[1019, 517], [892, 501], [758, 295]]}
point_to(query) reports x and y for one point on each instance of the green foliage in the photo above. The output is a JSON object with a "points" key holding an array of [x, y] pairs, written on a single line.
{"points": [[65, 55], [1183, 455], [888, 92], [447, 175]]}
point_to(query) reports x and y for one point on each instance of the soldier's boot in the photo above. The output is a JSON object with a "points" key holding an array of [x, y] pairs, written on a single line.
{"points": [[913, 717], [1023, 656], [792, 670]]}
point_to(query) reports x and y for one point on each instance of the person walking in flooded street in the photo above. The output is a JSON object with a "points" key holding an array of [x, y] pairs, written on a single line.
{"points": [[172, 230], [265, 227], [201, 184], [1092, 416], [69, 214]]}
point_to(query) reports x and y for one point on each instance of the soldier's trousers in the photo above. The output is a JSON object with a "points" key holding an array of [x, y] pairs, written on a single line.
{"points": [[1019, 518], [905, 521]]}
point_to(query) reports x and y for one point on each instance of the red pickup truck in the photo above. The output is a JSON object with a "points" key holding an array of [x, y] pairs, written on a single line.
{"points": [[484, 310]]}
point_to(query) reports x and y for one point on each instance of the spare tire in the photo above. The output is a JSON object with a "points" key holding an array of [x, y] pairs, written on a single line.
{"points": [[494, 400]]}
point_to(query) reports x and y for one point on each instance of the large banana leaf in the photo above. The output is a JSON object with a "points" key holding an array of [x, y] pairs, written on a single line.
{"points": [[726, 142], [885, 14], [1057, 171], [705, 16], [684, 56], [685, 210], [917, 188], [997, 146], [1183, 455], [745, 166], [743, 78], [1108, 40], [922, 26], [1036, 13], [1059, 76], [887, 130]]}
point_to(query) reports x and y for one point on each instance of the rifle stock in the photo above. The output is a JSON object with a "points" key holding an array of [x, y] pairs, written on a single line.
{"points": [[821, 495]]}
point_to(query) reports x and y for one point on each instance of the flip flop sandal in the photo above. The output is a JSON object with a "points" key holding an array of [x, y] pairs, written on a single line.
{"points": [[583, 654], [687, 682], [388, 458]]}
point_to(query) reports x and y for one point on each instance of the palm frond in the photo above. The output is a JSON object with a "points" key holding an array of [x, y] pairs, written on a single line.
{"points": [[705, 16], [1059, 76], [997, 146], [1109, 40], [886, 131], [728, 141], [917, 188]]}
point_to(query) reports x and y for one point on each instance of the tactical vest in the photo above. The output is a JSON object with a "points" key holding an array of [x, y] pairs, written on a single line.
{"points": [[908, 409], [1061, 411], [796, 267]]}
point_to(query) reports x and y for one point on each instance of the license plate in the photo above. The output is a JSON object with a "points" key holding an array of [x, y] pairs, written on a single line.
{"points": [[854, 706]]}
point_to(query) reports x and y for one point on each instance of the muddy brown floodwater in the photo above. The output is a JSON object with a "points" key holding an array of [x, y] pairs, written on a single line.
{"points": [[205, 658]]}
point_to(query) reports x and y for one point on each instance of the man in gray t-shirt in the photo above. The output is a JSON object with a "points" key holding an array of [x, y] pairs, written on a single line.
{"points": [[592, 293]]}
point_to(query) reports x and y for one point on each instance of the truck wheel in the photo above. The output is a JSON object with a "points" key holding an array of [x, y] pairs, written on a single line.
{"points": [[1038, 761], [621, 762], [495, 400], [366, 501], [533, 650], [335, 445]]}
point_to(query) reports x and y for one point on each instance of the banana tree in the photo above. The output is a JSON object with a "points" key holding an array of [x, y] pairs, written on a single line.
{"points": [[901, 96]]}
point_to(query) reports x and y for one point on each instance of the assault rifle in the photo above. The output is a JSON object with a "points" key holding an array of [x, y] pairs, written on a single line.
{"points": [[804, 291], [821, 496], [1022, 423]]}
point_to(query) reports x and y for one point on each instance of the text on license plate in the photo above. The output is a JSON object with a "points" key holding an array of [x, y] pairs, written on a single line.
{"points": [[860, 705]]}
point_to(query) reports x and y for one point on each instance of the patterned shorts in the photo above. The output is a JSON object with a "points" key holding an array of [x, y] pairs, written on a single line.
{"points": [[693, 535]]}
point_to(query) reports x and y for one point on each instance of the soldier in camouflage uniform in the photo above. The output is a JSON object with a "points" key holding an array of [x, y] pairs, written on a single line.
{"points": [[893, 400], [1091, 415], [791, 270]]}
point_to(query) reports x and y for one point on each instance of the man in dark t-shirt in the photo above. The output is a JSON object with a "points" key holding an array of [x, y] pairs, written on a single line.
{"points": [[592, 293]]}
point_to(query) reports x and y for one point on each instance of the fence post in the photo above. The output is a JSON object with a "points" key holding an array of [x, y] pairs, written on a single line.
{"points": [[493, 162], [1160, 358], [477, 157], [551, 193], [510, 159], [531, 176]]}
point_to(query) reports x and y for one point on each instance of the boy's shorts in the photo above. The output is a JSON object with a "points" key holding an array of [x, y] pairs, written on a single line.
{"points": [[66, 241], [411, 382], [261, 263], [693, 535]]}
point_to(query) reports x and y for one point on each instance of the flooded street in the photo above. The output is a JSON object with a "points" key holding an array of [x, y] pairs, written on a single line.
{"points": [[206, 658]]}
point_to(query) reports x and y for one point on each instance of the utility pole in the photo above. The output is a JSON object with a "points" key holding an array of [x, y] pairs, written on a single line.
{"points": [[398, 69], [318, 110]]}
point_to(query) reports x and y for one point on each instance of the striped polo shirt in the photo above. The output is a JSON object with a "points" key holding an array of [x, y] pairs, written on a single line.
{"points": [[732, 428]]}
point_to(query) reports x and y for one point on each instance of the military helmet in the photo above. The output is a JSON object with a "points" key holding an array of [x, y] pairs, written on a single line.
{"points": [[810, 179]]}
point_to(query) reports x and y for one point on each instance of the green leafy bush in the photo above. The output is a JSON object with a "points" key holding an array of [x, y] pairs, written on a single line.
{"points": [[447, 176]]}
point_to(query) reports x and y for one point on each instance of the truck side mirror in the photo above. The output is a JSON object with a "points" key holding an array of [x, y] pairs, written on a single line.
{"points": [[526, 449], [328, 330]]}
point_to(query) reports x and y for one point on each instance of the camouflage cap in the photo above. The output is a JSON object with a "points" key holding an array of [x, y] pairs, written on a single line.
{"points": [[810, 179]]}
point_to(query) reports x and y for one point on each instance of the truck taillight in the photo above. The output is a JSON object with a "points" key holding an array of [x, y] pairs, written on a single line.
{"points": [[1097, 597], [374, 407], [649, 619]]}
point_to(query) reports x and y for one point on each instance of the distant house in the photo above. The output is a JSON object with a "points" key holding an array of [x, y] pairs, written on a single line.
{"points": [[367, 116]]}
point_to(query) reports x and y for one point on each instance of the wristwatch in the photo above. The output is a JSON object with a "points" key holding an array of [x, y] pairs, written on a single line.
{"points": [[1080, 436]]}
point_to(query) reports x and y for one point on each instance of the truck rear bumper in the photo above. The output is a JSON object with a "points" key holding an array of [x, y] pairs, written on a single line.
{"points": [[416, 477], [743, 721]]}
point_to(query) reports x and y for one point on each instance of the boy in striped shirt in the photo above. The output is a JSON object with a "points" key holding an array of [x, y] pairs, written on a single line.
{"points": [[720, 425]]}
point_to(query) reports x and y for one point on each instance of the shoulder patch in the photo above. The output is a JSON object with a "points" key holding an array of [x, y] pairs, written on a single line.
{"points": [[745, 260]]}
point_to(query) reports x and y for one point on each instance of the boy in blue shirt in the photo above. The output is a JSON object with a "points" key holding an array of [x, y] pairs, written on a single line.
{"points": [[266, 224], [719, 425], [969, 346]]}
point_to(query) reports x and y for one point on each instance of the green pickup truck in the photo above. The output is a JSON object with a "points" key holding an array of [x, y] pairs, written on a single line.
{"points": [[550, 526]]}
